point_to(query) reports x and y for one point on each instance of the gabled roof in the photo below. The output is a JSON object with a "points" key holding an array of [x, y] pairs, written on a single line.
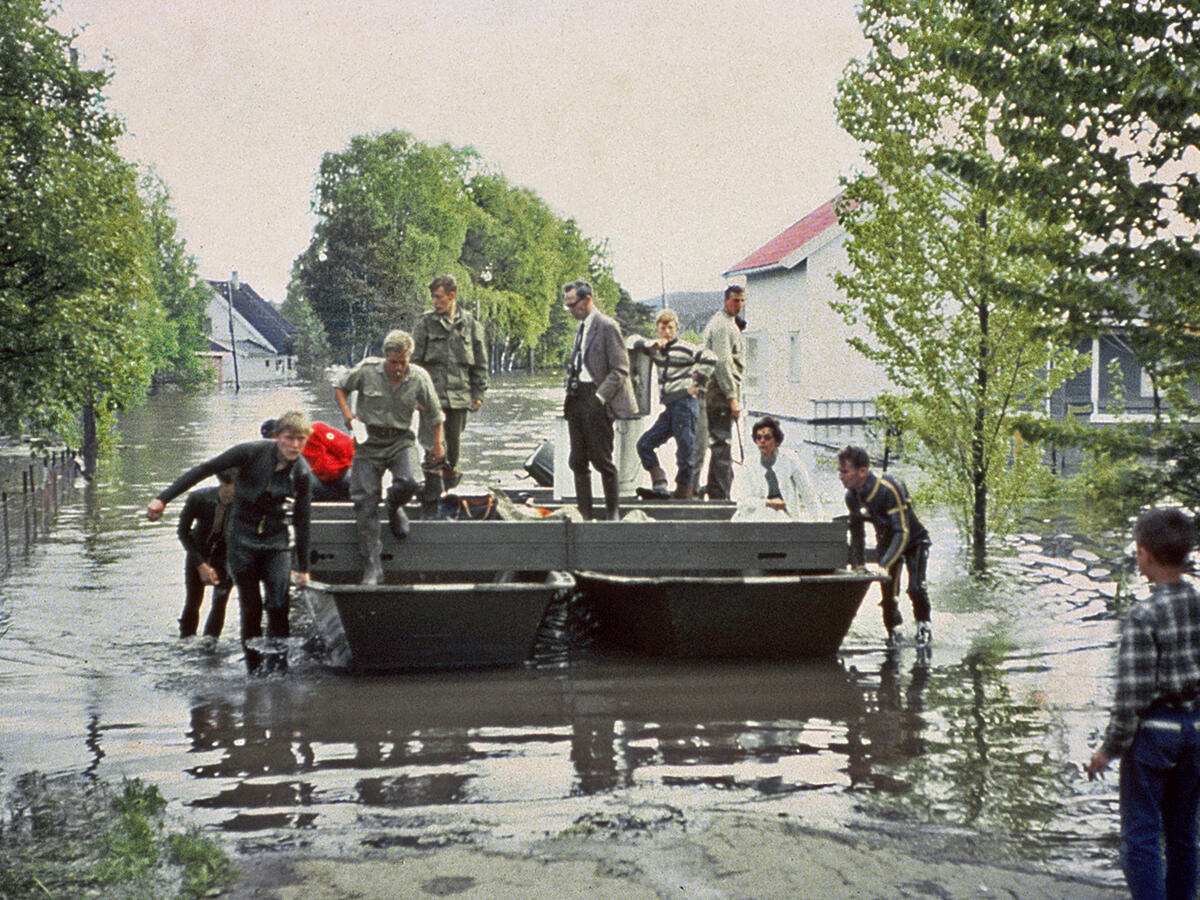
{"points": [[694, 308], [793, 245], [261, 315]]}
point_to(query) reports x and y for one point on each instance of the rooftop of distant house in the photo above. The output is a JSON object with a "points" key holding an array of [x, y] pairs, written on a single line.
{"points": [[262, 316]]}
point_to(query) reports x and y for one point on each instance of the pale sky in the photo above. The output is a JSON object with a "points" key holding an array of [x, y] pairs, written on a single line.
{"points": [[685, 134]]}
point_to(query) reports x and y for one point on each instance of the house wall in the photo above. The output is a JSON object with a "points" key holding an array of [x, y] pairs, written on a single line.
{"points": [[256, 364], [797, 344]]}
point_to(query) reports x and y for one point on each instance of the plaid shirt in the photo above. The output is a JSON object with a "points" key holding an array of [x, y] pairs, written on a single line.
{"points": [[1158, 661]]}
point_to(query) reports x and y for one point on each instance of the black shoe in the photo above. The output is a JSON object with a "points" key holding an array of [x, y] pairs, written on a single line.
{"points": [[653, 493]]}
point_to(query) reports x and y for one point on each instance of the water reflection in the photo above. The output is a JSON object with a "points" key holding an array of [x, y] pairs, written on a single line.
{"points": [[526, 736], [966, 753]]}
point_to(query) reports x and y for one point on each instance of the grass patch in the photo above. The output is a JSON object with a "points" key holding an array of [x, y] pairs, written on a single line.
{"points": [[75, 837]]}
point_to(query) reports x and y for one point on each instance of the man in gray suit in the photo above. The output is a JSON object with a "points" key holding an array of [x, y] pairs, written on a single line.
{"points": [[598, 390]]}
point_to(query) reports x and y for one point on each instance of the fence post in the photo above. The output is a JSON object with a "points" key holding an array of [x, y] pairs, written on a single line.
{"points": [[7, 542], [25, 506]]}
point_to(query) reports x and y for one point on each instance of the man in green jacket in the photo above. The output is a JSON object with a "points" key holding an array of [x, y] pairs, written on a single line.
{"points": [[448, 343]]}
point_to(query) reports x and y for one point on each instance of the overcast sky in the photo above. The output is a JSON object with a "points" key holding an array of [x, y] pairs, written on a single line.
{"points": [[686, 134]]}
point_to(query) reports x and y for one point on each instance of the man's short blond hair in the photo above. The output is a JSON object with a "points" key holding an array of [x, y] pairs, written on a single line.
{"points": [[295, 421], [667, 315], [398, 340]]}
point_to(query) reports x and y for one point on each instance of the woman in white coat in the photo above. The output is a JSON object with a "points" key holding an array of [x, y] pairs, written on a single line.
{"points": [[776, 484]]}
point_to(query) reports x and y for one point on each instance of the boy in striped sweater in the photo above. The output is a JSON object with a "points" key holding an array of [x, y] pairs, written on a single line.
{"points": [[683, 370]]}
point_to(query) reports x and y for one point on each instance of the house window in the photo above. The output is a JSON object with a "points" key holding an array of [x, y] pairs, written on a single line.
{"points": [[795, 357]]}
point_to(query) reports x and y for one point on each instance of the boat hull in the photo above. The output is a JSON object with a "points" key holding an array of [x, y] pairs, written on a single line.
{"points": [[430, 626], [753, 617]]}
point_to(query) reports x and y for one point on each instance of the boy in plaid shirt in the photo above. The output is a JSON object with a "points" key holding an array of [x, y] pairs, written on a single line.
{"points": [[1155, 721]]}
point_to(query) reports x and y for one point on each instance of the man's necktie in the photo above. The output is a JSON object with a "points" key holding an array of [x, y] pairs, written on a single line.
{"points": [[576, 364]]}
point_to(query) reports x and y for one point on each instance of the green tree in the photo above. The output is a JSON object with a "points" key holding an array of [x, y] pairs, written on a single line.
{"points": [[312, 345], [633, 317], [1096, 120], [519, 253], [79, 320], [928, 251], [391, 214], [173, 277]]}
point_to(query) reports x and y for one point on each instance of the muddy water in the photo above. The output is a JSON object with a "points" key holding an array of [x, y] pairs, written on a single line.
{"points": [[979, 746]]}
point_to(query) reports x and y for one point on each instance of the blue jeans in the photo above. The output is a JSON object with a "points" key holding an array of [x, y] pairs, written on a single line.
{"points": [[678, 420], [1160, 792]]}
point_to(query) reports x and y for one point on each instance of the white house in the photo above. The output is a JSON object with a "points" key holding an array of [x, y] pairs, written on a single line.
{"points": [[799, 364], [263, 339]]}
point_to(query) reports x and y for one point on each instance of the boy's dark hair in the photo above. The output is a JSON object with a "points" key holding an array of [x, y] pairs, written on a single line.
{"points": [[771, 424], [227, 476], [1168, 534], [855, 456]]}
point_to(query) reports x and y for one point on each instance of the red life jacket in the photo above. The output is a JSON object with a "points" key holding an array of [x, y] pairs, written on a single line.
{"points": [[329, 452]]}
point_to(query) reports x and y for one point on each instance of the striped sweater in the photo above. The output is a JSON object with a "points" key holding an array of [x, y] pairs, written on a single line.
{"points": [[679, 364]]}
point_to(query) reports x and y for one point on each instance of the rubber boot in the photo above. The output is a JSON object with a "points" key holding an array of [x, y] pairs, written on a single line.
{"points": [[431, 495], [583, 494], [612, 506], [253, 660], [370, 548], [683, 491], [397, 520]]}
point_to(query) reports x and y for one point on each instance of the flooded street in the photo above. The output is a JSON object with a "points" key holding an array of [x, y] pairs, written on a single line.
{"points": [[978, 749]]}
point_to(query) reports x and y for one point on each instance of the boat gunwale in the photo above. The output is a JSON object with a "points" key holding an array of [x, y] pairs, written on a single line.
{"points": [[564, 580], [766, 577]]}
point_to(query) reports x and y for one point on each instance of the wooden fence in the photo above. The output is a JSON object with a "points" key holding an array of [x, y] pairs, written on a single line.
{"points": [[31, 492]]}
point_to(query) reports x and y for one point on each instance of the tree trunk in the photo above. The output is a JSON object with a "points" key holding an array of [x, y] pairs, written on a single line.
{"points": [[978, 460], [91, 445]]}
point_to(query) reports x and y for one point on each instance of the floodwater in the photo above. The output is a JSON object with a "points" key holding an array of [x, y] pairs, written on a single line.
{"points": [[980, 746]]}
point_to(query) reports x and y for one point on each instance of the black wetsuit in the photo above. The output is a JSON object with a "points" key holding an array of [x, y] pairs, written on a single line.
{"points": [[884, 501], [204, 539], [256, 535]]}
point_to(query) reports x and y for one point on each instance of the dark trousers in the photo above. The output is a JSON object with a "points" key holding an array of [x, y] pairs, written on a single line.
{"points": [[331, 491], [720, 443], [678, 420], [454, 423], [453, 427], [271, 568], [1159, 796], [591, 433], [915, 559], [189, 619]]}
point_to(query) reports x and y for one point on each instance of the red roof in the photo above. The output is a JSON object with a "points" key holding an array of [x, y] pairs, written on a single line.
{"points": [[779, 247]]}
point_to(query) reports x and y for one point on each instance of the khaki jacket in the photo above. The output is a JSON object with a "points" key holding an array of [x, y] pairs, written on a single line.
{"points": [[455, 356]]}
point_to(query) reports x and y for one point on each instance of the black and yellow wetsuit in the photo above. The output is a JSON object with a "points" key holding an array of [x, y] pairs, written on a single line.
{"points": [[884, 501]]}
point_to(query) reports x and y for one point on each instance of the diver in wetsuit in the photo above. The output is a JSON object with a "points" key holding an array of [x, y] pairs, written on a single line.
{"points": [[900, 537], [256, 535]]}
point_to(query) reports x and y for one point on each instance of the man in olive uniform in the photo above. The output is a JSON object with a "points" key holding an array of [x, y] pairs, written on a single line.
{"points": [[389, 391], [449, 344], [723, 402]]}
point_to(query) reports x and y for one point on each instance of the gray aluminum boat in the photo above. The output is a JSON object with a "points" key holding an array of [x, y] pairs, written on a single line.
{"points": [[438, 626], [691, 585]]}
